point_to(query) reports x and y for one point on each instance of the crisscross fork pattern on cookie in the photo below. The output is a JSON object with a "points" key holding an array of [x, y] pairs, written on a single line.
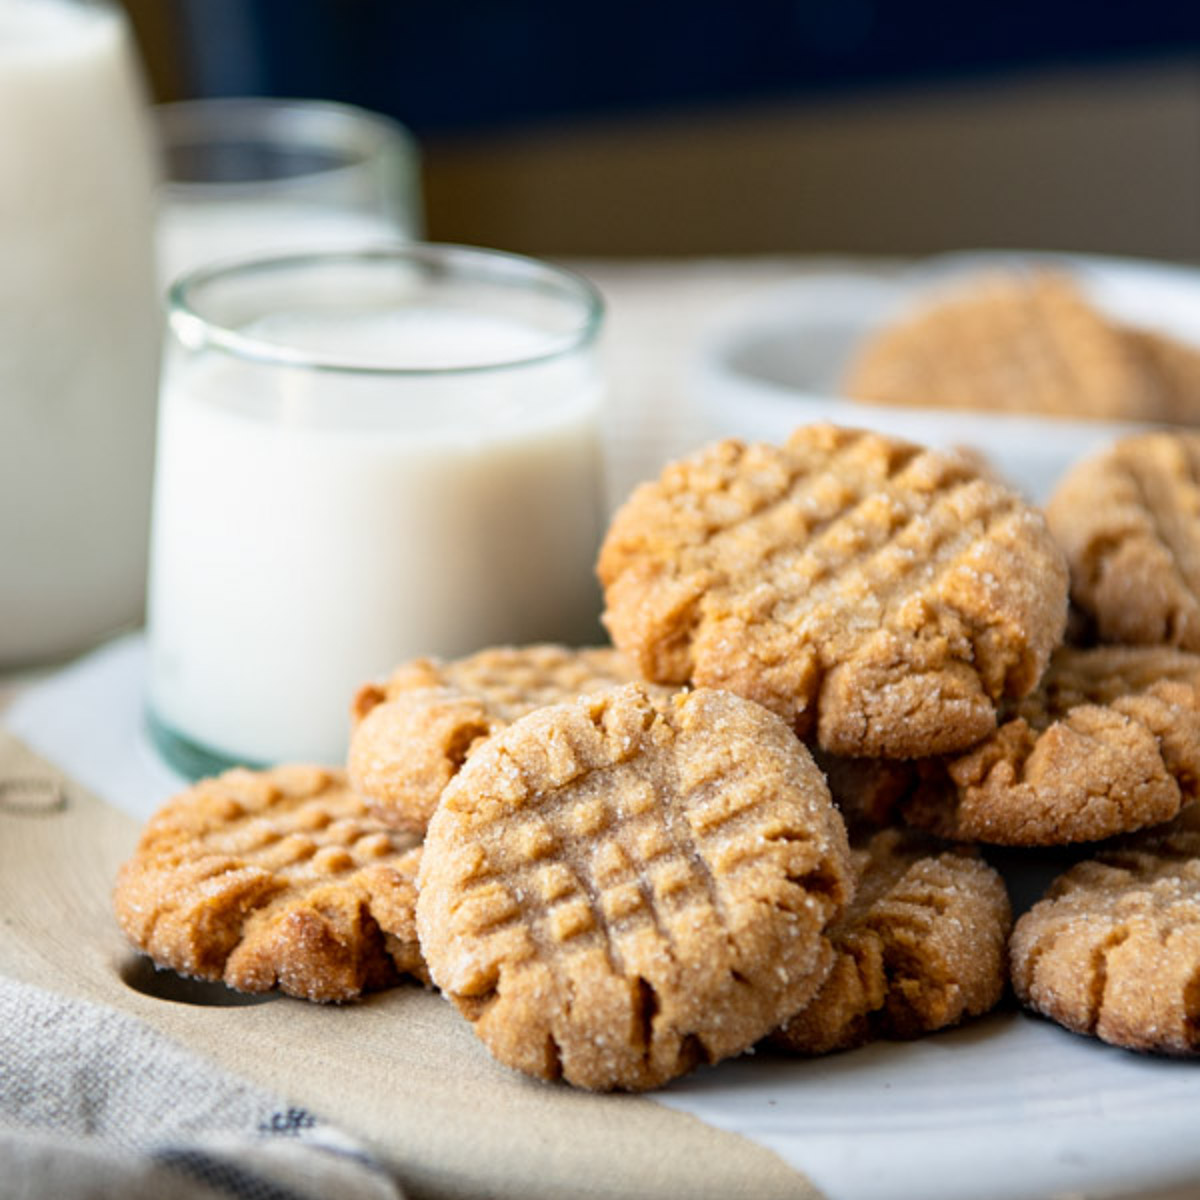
{"points": [[274, 879], [668, 896], [885, 596]]}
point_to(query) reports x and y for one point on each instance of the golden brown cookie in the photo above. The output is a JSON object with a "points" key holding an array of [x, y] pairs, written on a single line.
{"points": [[274, 879], [413, 733], [617, 889], [1108, 743], [921, 947], [879, 595], [1173, 367], [1129, 522], [1015, 341], [1113, 950], [514, 680]]}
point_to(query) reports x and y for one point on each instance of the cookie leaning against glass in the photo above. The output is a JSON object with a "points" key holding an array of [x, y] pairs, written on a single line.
{"points": [[620, 888], [412, 733], [881, 597]]}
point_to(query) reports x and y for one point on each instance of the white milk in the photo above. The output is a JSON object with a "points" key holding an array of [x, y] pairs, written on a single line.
{"points": [[79, 328], [314, 529]]}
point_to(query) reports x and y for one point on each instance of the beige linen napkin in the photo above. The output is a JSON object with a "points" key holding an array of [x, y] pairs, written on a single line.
{"points": [[399, 1070]]}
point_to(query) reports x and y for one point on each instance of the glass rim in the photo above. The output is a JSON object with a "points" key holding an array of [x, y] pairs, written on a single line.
{"points": [[195, 331], [358, 133]]}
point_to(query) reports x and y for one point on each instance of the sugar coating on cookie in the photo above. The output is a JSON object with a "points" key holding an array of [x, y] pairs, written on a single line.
{"points": [[1108, 743], [1129, 522], [618, 889], [274, 879], [1113, 950], [877, 595], [413, 733], [922, 946], [1015, 341]]}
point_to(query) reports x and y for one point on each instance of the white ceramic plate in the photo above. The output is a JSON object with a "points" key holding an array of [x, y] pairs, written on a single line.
{"points": [[1007, 1108], [776, 362]]}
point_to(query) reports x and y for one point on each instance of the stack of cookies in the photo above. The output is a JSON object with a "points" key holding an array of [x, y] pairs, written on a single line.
{"points": [[838, 672]]}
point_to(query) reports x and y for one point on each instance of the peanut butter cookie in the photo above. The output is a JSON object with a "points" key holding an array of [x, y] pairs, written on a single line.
{"points": [[413, 733], [1016, 341], [1113, 950], [617, 889], [274, 879], [921, 947], [879, 595], [1129, 521], [1174, 368], [1108, 743]]}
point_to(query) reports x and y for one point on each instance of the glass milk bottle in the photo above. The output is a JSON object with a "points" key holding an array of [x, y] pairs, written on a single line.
{"points": [[79, 327]]}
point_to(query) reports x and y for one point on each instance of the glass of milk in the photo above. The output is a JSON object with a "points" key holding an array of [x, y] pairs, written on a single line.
{"points": [[254, 175], [363, 457], [80, 328]]}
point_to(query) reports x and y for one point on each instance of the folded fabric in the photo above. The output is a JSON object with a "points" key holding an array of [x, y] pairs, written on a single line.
{"points": [[95, 1104]]}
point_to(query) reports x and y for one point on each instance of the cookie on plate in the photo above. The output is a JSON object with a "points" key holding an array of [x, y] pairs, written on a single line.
{"points": [[920, 948], [1113, 950], [274, 879], [617, 889], [1015, 341], [1129, 522], [881, 597], [1108, 743], [413, 733], [1174, 368]]}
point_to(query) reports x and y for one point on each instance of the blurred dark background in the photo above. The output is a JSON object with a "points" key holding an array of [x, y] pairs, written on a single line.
{"points": [[815, 126]]}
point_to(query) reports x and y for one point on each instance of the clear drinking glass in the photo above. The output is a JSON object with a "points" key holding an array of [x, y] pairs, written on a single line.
{"points": [[363, 457], [256, 175]]}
